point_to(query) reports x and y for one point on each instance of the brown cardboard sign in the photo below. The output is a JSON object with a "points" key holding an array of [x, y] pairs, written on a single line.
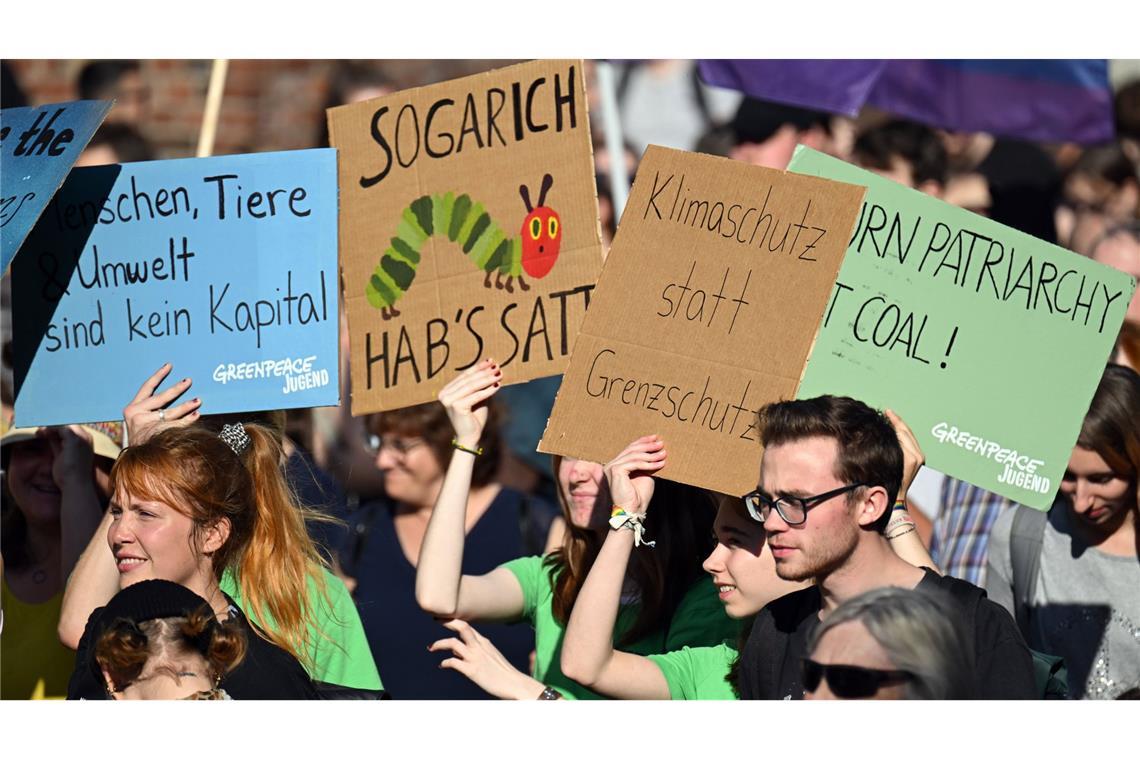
{"points": [[706, 310], [468, 228]]}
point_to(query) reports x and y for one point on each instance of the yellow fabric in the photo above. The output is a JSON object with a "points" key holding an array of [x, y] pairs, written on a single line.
{"points": [[33, 663]]}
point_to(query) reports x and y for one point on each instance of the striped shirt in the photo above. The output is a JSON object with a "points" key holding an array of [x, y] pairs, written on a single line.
{"points": [[962, 529]]}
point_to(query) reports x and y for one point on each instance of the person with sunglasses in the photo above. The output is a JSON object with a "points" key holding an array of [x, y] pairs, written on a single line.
{"points": [[888, 643], [829, 474], [742, 571]]}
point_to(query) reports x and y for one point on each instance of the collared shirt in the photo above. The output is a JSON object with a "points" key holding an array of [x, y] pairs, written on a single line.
{"points": [[962, 529]]}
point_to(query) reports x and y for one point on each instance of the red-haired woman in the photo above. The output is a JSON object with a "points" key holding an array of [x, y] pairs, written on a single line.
{"points": [[185, 507], [276, 577]]}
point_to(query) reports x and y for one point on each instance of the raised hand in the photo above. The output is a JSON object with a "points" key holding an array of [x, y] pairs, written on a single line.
{"points": [[630, 473], [74, 453], [473, 655], [465, 398], [913, 458], [148, 413]]}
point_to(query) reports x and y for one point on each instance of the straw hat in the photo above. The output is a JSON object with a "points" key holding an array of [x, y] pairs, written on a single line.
{"points": [[106, 436]]}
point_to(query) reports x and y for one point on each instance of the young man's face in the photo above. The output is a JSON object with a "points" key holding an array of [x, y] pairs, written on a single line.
{"points": [[821, 543]]}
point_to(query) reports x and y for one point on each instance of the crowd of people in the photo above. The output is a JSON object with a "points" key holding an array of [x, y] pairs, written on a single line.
{"points": [[431, 553]]}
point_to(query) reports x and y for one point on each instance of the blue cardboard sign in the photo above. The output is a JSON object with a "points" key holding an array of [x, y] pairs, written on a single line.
{"points": [[226, 267], [37, 148]]}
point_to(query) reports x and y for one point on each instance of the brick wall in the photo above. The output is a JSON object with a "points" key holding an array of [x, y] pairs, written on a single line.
{"points": [[267, 105]]}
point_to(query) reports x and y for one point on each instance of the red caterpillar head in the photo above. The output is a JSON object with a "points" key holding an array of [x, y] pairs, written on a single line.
{"points": [[541, 233]]}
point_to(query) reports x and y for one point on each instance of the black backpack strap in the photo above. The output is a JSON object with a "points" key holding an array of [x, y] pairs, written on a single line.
{"points": [[1025, 541]]}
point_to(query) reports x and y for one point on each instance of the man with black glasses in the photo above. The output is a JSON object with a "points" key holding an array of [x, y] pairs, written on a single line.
{"points": [[831, 469]]}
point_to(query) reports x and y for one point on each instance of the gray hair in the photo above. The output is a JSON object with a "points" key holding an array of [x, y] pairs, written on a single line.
{"points": [[920, 635]]}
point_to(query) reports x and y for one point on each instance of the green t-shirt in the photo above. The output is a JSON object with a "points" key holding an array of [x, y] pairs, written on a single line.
{"points": [[346, 659], [698, 672], [699, 622]]}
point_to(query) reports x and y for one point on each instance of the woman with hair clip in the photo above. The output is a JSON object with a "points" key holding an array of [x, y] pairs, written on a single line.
{"points": [[742, 570], [164, 642], [666, 604], [276, 577], [1071, 578], [184, 508]]}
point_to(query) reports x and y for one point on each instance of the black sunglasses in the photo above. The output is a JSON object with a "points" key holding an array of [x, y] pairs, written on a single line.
{"points": [[850, 681]]}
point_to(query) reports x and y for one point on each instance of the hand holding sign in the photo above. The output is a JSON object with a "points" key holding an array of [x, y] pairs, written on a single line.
{"points": [[464, 398], [913, 458], [630, 473], [148, 413]]}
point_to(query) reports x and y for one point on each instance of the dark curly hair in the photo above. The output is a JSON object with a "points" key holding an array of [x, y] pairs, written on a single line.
{"points": [[125, 647]]}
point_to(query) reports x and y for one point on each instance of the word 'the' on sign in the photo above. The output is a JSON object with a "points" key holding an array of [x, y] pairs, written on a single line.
{"points": [[38, 146]]}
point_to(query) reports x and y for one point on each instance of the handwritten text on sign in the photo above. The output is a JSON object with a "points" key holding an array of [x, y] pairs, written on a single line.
{"points": [[705, 312], [470, 227], [37, 148], [987, 341], [225, 267]]}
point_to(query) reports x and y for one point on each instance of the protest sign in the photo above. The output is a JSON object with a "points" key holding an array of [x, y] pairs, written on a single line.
{"points": [[988, 342], [705, 311], [225, 267], [37, 148], [469, 229]]}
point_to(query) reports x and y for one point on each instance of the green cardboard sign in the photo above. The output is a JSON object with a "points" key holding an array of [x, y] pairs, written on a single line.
{"points": [[988, 342]]}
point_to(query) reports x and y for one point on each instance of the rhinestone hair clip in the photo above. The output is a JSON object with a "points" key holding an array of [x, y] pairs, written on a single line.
{"points": [[235, 437]]}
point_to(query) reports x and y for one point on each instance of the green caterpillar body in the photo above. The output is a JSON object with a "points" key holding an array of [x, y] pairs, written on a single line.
{"points": [[464, 222]]}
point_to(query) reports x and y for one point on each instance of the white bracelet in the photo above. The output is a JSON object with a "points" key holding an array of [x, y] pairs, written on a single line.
{"points": [[631, 521]]}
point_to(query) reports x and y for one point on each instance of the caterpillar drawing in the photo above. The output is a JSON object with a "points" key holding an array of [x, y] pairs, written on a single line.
{"points": [[465, 222]]}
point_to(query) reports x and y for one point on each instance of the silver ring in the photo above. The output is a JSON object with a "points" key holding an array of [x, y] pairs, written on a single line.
{"points": [[162, 415]]}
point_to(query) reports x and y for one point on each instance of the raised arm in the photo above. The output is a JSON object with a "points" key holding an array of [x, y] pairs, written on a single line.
{"points": [[901, 530], [95, 578], [441, 587], [588, 654], [73, 471], [92, 583]]}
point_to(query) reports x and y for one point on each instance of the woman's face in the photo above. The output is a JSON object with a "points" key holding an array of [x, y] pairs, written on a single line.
{"points": [[153, 540], [30, 480], [585, 493], [1098, 498], [412, 474], [742, 568], [850, 643]]}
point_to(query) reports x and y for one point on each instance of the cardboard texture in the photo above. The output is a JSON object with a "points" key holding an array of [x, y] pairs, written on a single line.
{"points": [[705, 311], [38, 146], [444, 259], [225, 267], [988, 342]]}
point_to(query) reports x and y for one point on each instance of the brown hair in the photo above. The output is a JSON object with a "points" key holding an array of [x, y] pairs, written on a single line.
{"points": [[430, 422], [1110, 426], [125, 647], [681, 523], [269, 549], [869, 450]]}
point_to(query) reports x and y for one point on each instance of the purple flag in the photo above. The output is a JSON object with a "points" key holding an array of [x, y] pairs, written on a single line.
{"points": [[1041, 100]]}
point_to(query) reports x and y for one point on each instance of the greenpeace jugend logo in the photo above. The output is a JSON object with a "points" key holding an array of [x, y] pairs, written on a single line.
{"points": [[1020, 470], [298, 373]]}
